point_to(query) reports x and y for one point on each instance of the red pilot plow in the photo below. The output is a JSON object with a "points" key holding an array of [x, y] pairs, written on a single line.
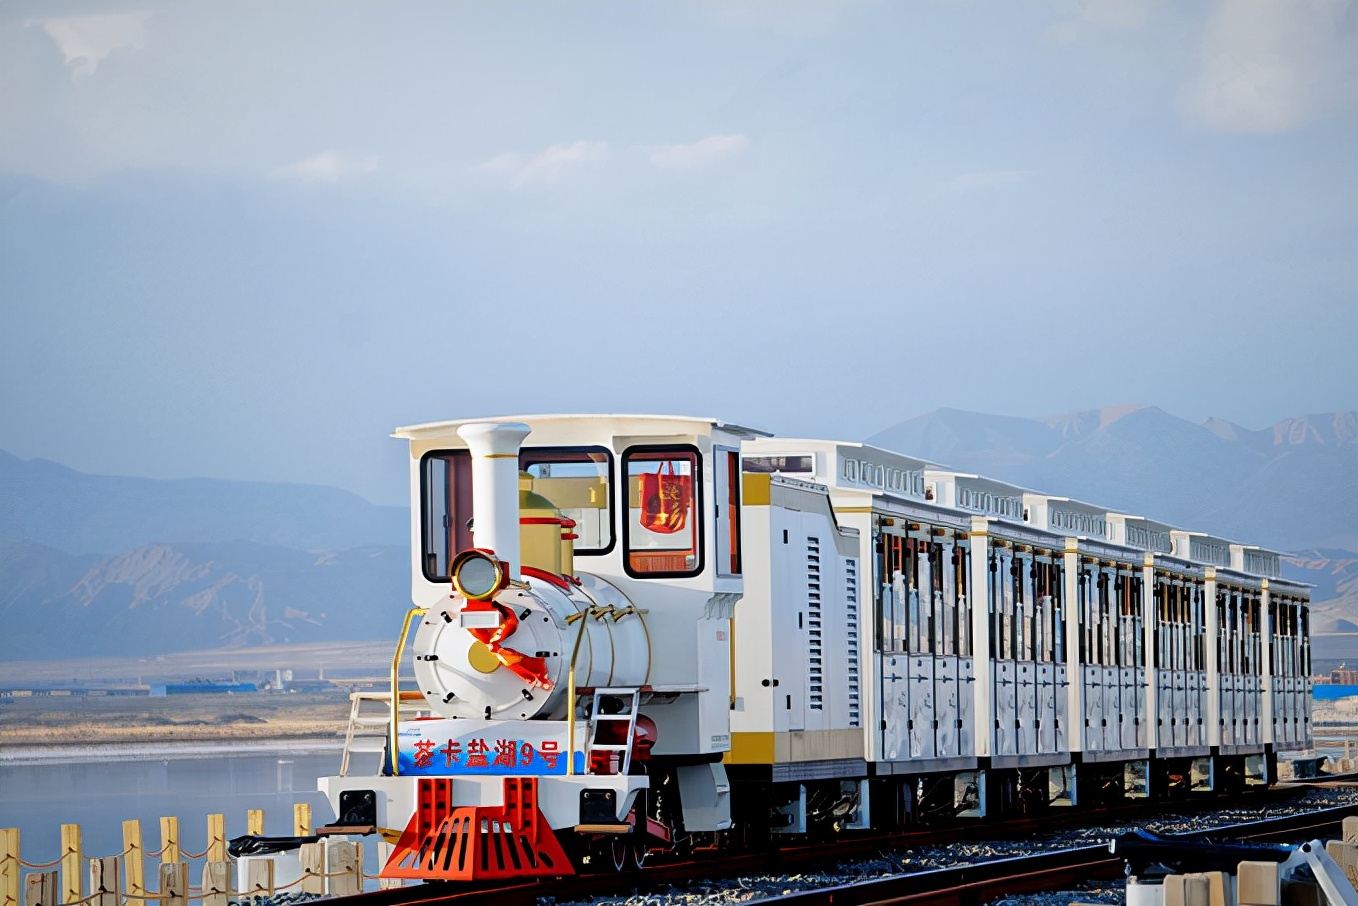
{"points": [[477, 842]]}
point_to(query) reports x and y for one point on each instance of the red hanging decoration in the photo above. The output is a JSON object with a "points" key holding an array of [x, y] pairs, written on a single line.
{"points": [[665, 499]]}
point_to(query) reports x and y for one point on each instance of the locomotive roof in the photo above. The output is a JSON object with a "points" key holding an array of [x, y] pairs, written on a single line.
{"points": [[1035, 507], [632, 424]]}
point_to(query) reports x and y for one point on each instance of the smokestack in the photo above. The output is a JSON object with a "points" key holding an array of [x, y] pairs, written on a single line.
{"points": [[494, 448]]}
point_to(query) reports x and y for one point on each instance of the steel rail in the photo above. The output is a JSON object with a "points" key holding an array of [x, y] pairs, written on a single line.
{"points": [[972, 883], [977, 883]]}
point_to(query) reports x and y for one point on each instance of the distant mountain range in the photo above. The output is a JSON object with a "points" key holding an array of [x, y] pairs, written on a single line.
{"points": [[1334, 600], [173, 597], [1292, 487], [1289, 487], [68, 510], [97, 565]]}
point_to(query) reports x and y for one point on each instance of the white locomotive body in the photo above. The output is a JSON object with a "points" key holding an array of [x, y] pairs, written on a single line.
{"points": [[633, 633]]}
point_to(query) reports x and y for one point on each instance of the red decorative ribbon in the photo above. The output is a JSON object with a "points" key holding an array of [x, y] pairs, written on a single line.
{"points": [[532, 670]]}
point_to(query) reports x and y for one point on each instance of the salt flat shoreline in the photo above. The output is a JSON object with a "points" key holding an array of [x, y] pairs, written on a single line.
{"points": [[151, 750]]}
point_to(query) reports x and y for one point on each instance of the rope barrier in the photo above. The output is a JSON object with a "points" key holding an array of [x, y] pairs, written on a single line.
{"points": [[55, 862], [196, 893], [148, 897], [193, 893], [229, 860]]}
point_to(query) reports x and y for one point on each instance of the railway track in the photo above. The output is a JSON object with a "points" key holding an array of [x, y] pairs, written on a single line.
{"points": [[973, 883], [976, 884]]}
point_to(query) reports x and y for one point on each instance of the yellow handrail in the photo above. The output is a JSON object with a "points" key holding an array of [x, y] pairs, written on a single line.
{"points": [[414, 614], [580, 616]]}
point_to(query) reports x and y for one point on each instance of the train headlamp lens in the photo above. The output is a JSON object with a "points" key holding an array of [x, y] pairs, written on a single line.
{"points": [[477, 576]]}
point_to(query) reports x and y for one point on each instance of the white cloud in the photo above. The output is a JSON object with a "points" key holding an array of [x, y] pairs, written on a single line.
{"points": [[778, 17], [85, 41], [984, 179], [1273, 67], [547, 167], [1097, 17], [328, 166], [699, 154], [561, 163]]}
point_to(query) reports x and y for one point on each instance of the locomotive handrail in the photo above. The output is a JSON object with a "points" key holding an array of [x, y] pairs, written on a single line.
{"points": [[413, 614], [570, 684]]}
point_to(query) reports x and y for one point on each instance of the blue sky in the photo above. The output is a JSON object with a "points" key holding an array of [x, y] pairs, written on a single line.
{"points": [[246, 240]]}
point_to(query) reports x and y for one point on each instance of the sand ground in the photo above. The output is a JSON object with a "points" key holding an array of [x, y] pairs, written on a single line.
{"points": [[71, 722], [82, 721]]}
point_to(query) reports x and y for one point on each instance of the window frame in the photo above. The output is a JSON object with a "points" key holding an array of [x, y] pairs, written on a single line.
{"points": [[608, 476], [658, 453], [728, 461], [449, 454]]}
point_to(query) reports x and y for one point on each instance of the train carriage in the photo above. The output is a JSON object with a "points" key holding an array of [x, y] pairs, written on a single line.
{"points": [[634, 634]]}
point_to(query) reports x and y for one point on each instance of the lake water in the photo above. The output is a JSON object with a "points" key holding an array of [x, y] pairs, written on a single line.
{"points": [[100, 795]]}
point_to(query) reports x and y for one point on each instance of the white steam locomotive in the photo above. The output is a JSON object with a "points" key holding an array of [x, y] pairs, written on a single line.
{"points": [[635, 635]]}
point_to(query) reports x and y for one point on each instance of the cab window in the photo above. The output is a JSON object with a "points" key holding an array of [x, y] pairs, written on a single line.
{"points": [[662, 533], [575, 480], [445, 508]]}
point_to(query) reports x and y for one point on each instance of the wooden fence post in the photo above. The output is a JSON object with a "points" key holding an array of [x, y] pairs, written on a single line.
{"points": [[104, 881], [216, 838], [312, 856], [72, 865], [216, 883], [344, 862], [169, 841], [301, 819], [254, 822], [383, 854], [41, 889], [134, 861], [174, 883], [259, 878], [9, 866]]}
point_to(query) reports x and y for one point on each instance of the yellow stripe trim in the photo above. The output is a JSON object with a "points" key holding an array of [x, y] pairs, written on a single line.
{"points": [[750, 748], [754, 489]]}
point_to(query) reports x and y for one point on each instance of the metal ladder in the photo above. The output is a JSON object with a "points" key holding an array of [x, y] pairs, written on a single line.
{"points": [[629, 717], [369, 727]]}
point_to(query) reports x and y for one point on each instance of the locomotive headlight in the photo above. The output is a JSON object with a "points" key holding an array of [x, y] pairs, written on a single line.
{"points": [[478, 576]]}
